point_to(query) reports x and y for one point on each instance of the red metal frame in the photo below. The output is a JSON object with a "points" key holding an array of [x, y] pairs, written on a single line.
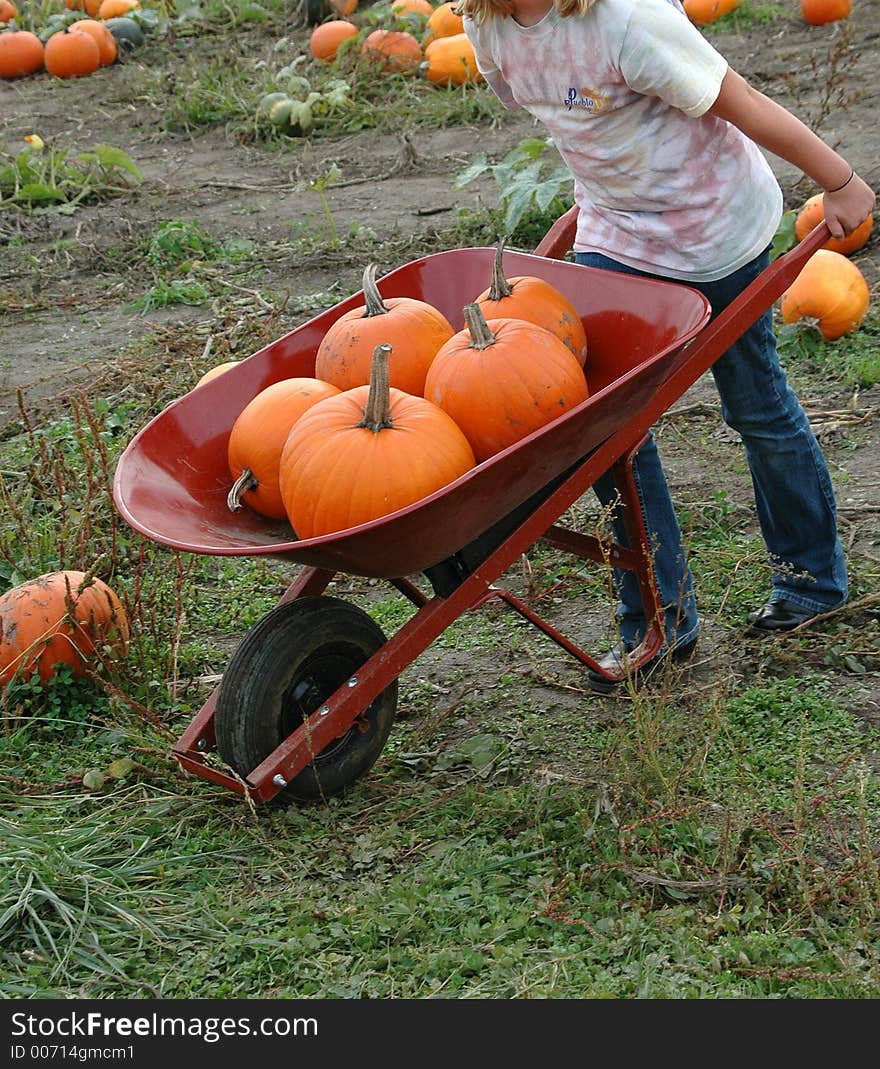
{"points": [[434, 614]]}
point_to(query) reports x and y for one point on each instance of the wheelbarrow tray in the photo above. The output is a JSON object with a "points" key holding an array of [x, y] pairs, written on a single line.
{"points": [[172, 481]]}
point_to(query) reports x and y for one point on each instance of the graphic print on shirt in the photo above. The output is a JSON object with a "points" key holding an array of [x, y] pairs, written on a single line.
{"points": [[591, 99]]}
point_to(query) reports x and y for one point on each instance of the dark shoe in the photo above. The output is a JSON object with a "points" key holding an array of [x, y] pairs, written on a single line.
{"points": [[778, 616], [614, 661]]}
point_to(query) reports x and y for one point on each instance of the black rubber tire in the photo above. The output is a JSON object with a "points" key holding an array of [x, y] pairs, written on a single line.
{"points": [[316, 11], [286, 665]]}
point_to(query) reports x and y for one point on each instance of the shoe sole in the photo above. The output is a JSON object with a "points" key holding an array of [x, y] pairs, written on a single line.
{"points": [[601, 685]]}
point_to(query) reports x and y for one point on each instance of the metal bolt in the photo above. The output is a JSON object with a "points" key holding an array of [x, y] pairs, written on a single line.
{"points": [[279, 781], [324, 710], [201, 745], [353, 682]]}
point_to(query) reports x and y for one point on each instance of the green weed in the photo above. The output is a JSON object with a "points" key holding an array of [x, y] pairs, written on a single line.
{"points": [[852, 360], [534, 189], [43, 178]]}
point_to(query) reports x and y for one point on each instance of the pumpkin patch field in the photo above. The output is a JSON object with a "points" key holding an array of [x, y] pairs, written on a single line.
{"points": [[184, 183]]}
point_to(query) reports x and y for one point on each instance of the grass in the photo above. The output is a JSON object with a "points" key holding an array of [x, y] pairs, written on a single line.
{"points": [[717, 841], [714, 837], [713, 842]]}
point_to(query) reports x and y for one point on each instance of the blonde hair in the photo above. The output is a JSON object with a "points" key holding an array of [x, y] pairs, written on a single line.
{"points": [[479, 10]]}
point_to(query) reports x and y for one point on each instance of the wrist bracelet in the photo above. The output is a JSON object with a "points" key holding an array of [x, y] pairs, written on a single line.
{"points": [[852, 173]]}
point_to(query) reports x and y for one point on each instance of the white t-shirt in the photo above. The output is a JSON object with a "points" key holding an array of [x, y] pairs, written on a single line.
{"points": [[623, 91]]}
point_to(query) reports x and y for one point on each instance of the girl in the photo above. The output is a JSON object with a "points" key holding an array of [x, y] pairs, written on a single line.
{"points": [[662, 138]]}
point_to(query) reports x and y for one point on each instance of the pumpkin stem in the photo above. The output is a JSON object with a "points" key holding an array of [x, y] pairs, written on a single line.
{"points": [[372, 297], [478, 328], [377, 413], [500, 287], [244, 482]]}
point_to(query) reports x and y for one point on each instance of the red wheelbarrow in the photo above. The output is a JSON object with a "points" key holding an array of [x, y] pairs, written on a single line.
{"points": [[309, 697]]}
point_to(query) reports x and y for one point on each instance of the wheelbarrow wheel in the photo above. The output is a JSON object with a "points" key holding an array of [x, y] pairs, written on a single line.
{"points": [[284, 668]]}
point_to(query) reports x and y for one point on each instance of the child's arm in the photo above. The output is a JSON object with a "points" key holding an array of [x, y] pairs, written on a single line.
{"points": [[848, 200]]}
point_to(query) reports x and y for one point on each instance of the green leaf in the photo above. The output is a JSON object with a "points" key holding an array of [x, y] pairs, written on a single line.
{"points": [[110, 158], [784, 238], [39, 192], [479, 166], [516, 207]]}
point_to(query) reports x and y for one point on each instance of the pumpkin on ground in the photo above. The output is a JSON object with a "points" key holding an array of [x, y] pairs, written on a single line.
{"points": [[536, 300], [111, 9], [502, 379], [831, 290], [344, 7], [819, 12], [705, 11], [91, 7], [258, 436], [811, 215], [451, 61], [393, 51], [412, 7], [59, 618], [71, 55], [103, 38], [366, 453], [445, 21], [126, 32], [8, 11], [414, 329], [326, 38], [21, 53]]}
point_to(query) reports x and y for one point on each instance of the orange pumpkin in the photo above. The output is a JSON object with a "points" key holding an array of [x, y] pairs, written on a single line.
{"points": [[451, 61], [21, 53], [365, 453], [111, 9], [414, 329], [71, 55], [818, 12], [213, 372], [704, 11], [412, 7], [58, 618], [831, 290], [344, 7], [535, 300], [393, 51], [445, 21], [8, 11], [502, 379], [102, 37], [812, 213], [258, 436], [326, 38], [91, 7]]}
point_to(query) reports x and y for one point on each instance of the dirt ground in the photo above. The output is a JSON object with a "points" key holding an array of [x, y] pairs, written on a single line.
{"points": [[828, 75]]}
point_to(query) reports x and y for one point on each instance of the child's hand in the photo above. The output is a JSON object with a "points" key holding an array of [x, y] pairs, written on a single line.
{"points": [[848, 207]]}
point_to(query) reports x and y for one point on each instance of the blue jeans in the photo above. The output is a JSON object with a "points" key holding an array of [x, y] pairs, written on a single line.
{"points": [[794, 497]]}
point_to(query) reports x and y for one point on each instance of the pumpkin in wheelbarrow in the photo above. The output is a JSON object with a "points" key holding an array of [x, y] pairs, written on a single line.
{"points": [[502, 379], [413, 328], [257, 439], [536, 300], [366, 453]]}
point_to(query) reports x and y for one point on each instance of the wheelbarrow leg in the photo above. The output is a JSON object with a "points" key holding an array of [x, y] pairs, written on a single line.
{"points": [[635, 558], [643, 569]]}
